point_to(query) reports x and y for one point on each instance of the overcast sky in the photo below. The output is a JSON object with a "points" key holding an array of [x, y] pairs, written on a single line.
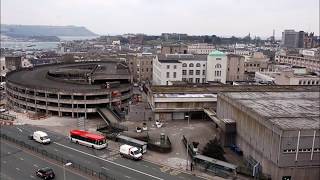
{"points": [[220, 17]]}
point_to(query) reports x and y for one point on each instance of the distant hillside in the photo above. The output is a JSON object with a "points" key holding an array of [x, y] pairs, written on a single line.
{"points": [[34, 30]]}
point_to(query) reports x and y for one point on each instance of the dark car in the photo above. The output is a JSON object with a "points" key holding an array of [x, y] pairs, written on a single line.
{"points": [[45, 173]]}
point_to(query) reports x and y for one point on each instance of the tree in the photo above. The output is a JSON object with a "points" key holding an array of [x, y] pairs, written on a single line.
{"points": [[214, 149]]}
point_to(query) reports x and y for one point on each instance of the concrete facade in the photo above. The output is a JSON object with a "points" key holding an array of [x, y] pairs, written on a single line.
{"points": [[235, 68], [76, 89], [174, 49], [312, 63], [200, 48], [280, 130]]}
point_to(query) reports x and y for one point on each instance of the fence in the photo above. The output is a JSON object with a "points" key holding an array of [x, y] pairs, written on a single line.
{"points": [[43, 152]]}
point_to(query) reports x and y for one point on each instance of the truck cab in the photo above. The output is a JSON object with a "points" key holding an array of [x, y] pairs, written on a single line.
{"points": [[41, 137], [130, 152]]}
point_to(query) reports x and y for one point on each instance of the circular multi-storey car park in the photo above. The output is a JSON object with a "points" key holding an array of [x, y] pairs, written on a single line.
{"points": [[76, 89]]}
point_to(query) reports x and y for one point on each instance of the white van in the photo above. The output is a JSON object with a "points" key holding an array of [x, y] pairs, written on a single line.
{"points": [[41, 137], [130, 152]]}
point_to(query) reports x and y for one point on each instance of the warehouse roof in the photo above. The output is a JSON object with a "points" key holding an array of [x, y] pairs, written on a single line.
{"points": [[288, 110]]}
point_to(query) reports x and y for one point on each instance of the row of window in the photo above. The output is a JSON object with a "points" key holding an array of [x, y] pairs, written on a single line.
{"points": [[184, 72], [217, 73], [147, 70], [252, 65], [174, 66], [308, 82], [301, 150], [192, 65], [174, 74], [196, 80]]}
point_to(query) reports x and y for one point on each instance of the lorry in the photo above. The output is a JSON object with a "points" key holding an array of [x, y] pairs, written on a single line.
{"points": [[41, 137], [130, 152]]}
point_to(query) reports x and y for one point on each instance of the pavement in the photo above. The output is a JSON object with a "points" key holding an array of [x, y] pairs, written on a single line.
{"points": [[107, 160]]}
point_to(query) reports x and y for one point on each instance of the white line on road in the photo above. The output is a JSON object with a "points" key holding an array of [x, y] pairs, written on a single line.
{"points": [[32, 177], [19, 129], [145, 166], [17, 169], [35, 165], [105, 168], [21, 158], [55, 149], [109, 161], [127, 177]]}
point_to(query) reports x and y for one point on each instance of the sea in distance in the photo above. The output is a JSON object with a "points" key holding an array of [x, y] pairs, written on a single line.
{"points": [[41, 45]]}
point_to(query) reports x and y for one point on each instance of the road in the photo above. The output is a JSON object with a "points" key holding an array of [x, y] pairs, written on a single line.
{"points": [[107, 161], [17, 163]]}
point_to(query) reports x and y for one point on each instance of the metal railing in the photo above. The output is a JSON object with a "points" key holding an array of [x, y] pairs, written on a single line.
{"points": [[62, 160]]}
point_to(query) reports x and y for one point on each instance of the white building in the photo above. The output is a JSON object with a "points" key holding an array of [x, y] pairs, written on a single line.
{"points": [[189, 68], [166, 71], [200, 48], [217, 67]]}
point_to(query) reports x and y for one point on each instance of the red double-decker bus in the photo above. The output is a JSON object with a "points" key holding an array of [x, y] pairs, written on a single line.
{"points": [[95, 141]]}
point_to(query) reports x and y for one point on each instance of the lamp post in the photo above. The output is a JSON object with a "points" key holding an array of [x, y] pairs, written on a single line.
{"points": [[64, 169], [187, 116]]}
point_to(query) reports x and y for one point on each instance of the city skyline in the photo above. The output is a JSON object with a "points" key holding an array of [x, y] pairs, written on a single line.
{"points": [[222, 18]]}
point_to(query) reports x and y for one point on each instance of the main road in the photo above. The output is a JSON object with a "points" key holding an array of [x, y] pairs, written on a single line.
{"points": [[107, 161]]}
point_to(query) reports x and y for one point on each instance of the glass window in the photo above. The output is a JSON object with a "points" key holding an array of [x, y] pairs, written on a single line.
{"points": [[191, 65], [174, 74], [190, 72], [184, 65], [190, 80], [175, 67], [198, 65], [168, 66], [168, 74], [197, 80], [184, 72], [217, 66], [218, 59], [197, 72], [203, 72]]}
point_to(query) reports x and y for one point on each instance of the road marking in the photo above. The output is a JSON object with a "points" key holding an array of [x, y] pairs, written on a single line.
{"points": [[41, 158], [127, 177], [145, 166], [17, 169], [21, 158], [105, 168], [55, 149], [32, 177], [109, 161], [9, 152], [19, 129], [164, 169], [175, 172], [35, 165]]}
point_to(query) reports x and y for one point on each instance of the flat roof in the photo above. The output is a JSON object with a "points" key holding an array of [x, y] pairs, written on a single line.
{"points": [[38, 77], [288, 110]]}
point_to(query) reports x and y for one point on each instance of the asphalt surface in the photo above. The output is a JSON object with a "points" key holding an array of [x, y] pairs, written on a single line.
{"points": [[107, 161], [17, 163]]}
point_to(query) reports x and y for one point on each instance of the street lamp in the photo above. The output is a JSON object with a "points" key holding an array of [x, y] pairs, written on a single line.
{"points": [[187, 116], [64, 169]]}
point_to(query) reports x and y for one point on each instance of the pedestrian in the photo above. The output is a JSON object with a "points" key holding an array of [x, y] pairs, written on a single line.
{"points": [[191, 166]]}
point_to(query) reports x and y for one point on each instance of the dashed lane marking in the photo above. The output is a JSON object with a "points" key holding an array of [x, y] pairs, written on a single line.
{"points": [[17, 169], [21, 158], [105, 168], [127, 177], [35, 165], [132, 169], [146, 166]]}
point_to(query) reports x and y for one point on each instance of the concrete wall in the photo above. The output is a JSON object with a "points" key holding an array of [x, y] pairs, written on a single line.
{"points": [[266, 143]]}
